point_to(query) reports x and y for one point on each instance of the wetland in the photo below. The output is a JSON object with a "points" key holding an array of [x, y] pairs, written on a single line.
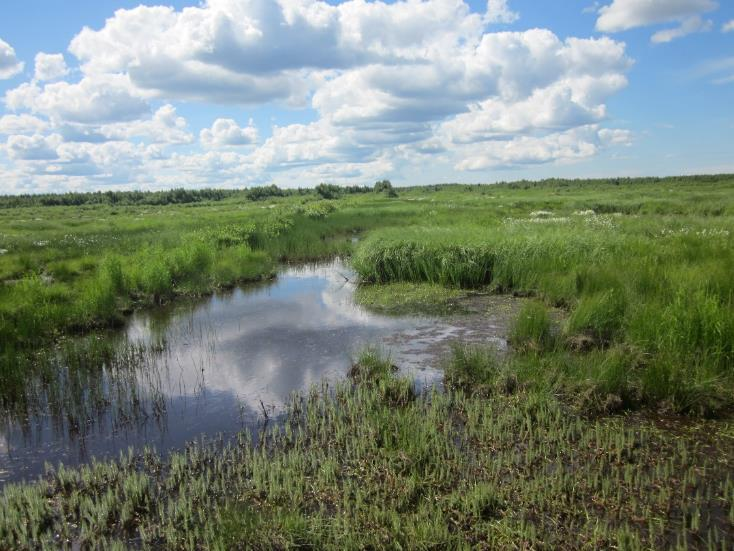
{"points": [[522, 365]]}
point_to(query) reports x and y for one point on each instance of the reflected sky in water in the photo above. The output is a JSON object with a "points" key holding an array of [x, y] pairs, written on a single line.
{"points": [[218, 363]]}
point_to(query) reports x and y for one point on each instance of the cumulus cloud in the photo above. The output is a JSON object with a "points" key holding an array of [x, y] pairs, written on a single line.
{"points": [[9, 64], [622, 15], [22, 124], [226, 132], [164, 127], [261, 50], [302, 144], [32, 148], [571, 145], [499, 12], [728, 26], [106, 98], [615, 136], [50, 66], [387, 83]]}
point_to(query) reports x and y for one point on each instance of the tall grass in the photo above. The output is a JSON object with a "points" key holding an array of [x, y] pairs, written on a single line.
{"points": [[654, 284]]}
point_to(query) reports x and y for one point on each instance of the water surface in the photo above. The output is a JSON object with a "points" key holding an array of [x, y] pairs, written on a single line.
{"points": [[215, 366]]}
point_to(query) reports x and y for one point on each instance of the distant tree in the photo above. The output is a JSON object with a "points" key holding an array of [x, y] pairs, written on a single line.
{"points": [[382, 185], [264, 192], [328, 191], [385, 186]]}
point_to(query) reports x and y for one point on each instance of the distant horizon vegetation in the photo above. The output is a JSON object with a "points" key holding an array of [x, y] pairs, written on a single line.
{"points": [[183, 195]]}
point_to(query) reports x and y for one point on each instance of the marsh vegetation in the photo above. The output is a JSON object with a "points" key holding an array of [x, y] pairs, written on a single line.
{"points": [[606, 423]]}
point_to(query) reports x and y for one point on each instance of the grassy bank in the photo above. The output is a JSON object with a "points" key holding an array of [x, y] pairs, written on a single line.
{"points": [[75, 269], [370, 464], [649, 298]]}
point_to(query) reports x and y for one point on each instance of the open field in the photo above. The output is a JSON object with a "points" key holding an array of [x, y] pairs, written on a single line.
{"points": [[607, 424]]}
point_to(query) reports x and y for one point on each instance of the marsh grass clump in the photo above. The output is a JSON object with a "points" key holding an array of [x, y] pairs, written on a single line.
{"points": [[600, 316], [372, 365], [473, 368], [532, 330], [373, 369]]}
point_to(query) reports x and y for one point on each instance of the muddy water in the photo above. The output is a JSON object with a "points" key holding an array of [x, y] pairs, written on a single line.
{"points": [[221, 365]]}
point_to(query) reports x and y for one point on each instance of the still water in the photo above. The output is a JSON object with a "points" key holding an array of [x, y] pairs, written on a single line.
{"points": [[197, 370]]}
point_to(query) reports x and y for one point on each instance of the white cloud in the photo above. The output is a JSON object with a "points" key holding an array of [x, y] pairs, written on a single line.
{"points": [[22, 124], [728, 26], [165, 127], [571, 145], [499, 12], [615, 136], [389, 84], [9, 64], [252, 52], [226, 132], [32, 148], [302, 144], [622, 15], [50, 66], [689, 25], [104, 98]]}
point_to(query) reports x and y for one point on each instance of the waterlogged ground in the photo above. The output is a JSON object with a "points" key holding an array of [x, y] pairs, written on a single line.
{"points": [[221, 365]]}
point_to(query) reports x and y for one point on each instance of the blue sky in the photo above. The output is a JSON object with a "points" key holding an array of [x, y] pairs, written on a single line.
{"points": [[232, 93]]}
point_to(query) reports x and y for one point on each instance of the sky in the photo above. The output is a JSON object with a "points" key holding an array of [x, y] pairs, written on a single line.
{"points": [[117, 95]]}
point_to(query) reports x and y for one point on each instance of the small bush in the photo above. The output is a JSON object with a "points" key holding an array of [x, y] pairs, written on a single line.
{"points": [[319, 210]]}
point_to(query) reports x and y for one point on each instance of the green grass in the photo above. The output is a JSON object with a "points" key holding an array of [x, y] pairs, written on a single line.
{"points": [[353, 468], [533, 328], [569, 440], [644, 264], [409, 298], [650, 278]]}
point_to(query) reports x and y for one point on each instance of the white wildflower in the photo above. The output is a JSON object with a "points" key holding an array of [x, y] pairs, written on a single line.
{"points": [[541, 214]]}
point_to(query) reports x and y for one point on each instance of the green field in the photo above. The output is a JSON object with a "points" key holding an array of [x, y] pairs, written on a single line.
{"points": [[607, 425]]}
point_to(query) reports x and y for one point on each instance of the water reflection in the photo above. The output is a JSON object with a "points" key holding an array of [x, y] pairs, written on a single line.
{"points": [[194, 369]]}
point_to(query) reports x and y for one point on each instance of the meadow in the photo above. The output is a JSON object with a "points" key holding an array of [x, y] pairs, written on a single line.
{"points": [[608, 424]]}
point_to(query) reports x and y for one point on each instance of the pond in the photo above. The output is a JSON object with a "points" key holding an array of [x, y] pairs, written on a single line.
{"points": [[215, 366]]}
